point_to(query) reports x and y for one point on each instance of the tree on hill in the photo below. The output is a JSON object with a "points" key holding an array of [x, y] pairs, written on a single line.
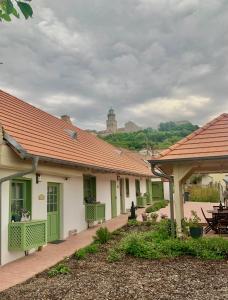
{"points": [[167, 135], [10, 8]]}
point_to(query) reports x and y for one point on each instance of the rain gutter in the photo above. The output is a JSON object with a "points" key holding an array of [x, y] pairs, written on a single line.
{"points": [[161, 174]]}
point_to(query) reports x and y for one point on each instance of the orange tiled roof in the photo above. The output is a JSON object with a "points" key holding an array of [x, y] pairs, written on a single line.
{"points": [[46, 136], [211, 140]]}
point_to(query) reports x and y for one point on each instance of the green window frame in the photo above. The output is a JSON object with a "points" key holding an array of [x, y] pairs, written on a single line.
{"points": [[89, 189], [137, 187], [20, 196], [127, 187]]}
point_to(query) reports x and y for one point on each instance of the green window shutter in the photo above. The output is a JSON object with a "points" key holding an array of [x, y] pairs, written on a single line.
{"points": [[137, 187], [89, 186], [20, 196], [127, 187], [93, 187]]}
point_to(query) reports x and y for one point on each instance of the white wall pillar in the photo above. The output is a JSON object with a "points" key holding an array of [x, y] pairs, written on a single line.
{"points": [[180, 172]]}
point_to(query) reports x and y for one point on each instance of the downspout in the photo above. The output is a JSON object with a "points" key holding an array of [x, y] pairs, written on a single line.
{"points": [[161, 174], [7, 178]]}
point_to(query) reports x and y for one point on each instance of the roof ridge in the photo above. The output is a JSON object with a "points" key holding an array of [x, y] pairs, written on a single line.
{"points": [[192, 135], [39, 109]]}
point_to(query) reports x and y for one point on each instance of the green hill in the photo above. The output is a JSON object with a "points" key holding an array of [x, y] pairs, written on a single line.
{"points": [[166, 135]]}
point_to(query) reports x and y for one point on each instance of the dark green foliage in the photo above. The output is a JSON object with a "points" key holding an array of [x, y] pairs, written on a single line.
{"points": [[93, 248], [80, 254], [102, 235], [158, 244], [60, 269], [157, 205], [133, 222], [9, 8], [150, 138]]}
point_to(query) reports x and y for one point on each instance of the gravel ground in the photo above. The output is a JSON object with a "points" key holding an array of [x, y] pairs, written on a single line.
{"points": [[131, 278]]}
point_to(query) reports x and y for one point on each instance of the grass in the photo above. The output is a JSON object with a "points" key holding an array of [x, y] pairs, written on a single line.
{"points": [[204, 194], [157, 205], [103, 235]]}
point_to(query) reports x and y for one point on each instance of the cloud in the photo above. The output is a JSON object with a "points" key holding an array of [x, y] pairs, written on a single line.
{"points": [[152, 60]]}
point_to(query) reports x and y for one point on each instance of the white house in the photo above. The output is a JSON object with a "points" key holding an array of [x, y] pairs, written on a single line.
{"points": [[60, 175]]}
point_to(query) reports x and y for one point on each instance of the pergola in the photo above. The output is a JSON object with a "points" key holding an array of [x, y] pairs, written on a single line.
{"points": [[203, 151]]}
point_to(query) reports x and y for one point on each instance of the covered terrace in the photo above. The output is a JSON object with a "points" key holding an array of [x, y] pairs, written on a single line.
{"points": [[203, 151]]}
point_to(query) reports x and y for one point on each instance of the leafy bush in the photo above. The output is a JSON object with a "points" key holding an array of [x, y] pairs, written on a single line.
{"points": [[58, 270], [133, 222], [102, 235], [80, 254], [157, 206], [114, 255], [158, 244], [93, 248], [204, 194]]}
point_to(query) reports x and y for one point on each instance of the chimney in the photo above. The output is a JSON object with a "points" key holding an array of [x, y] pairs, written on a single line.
{"points": [[66, 118]]}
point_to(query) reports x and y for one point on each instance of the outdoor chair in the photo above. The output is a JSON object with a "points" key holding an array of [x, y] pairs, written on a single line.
{"points": [[210, 223]]}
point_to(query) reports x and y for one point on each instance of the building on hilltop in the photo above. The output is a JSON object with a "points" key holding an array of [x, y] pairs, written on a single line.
{"points": [[112, 126]]}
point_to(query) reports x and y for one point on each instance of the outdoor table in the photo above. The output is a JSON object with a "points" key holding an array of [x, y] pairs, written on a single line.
{"points": [[220, 217]]}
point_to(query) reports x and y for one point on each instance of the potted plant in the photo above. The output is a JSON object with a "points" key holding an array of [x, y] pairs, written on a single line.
{"points": [[16, 217], [195, 228], [25, 215]]}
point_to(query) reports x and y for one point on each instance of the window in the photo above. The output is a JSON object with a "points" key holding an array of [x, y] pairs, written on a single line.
{"points": [[89, 185], [20, 196], [137, 187], [127, 187]]}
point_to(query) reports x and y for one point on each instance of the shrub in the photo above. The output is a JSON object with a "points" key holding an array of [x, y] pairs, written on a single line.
{"points": [[102, 235], [93, 248], [133, 222], [158, 244], [204, 193], [154, 217], [114, 255], [157, 206], [80, 254], [58, 270]]}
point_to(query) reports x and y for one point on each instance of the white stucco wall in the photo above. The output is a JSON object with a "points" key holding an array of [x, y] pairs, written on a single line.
{"points": [[166, 190], [72, 212]]}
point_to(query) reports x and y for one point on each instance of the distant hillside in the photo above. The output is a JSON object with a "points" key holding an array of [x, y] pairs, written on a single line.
{"points": [[166, 135]]}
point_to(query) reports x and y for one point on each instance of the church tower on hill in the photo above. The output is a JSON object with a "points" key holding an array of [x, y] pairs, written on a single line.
{"points": [[111, 122]]}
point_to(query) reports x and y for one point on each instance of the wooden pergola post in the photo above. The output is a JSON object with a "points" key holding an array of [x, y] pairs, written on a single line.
{"points": [[181, 173]]}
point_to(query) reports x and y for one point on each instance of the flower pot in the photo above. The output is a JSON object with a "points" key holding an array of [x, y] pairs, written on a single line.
{"points": [[196, 232]]}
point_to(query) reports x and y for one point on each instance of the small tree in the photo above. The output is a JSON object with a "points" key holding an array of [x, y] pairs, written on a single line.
{"points": [[9, 8]]}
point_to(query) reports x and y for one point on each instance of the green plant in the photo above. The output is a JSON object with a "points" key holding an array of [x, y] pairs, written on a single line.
{"points": [[80, 254], [158, 244], [194, 221], [59, 270], [114, 255], [204, 193], [133, 222], [92, 248], [154, 217], [157, 205], [102, 235]]}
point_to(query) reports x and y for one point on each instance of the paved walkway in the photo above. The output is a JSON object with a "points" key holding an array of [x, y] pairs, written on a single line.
{"points": [[28, 266], [189, 206]]}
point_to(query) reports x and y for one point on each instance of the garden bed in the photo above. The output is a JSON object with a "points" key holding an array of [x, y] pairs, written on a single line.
{"points": [[130, 278]]}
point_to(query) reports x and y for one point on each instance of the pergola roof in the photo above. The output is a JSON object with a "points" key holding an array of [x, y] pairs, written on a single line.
{"points": [[206, 148]]}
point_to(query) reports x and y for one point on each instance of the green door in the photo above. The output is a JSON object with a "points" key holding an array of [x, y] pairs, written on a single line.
{"points": [[53, 212], [157, 190], [113, 199]]}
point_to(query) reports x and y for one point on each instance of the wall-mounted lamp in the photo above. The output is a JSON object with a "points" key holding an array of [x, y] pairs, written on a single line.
{"points": [[66, 178], [38, 178]]}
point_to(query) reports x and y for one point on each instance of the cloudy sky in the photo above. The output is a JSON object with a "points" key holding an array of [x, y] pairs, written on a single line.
{"points": [[151, 60]]}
